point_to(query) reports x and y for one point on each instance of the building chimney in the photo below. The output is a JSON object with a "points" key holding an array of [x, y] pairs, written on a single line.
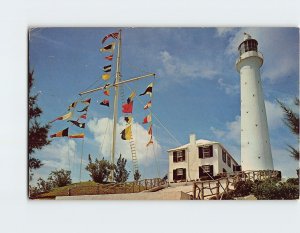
{"points": [[192, 139]]}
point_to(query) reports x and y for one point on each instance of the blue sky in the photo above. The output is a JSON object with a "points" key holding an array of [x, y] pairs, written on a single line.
{"points": [[196, 90]]}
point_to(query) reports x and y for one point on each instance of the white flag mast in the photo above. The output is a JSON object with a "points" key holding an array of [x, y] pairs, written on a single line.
{"points": [[116, 98]]}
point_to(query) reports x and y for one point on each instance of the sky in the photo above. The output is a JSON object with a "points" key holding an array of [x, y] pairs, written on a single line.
{"points": [[196, 90]]}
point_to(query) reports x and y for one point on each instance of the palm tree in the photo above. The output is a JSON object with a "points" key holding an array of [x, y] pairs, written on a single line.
{"points": [[291, 119]]}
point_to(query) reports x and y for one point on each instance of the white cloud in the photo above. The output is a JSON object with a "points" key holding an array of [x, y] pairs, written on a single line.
{"points": [[229, 89], [233, 128], [279, 49], [60, 154], [222, 31], [230, 137], [232, 131], [284, 162], [217, 132], [101, 128], [57, 155], [274, 115], [179, 69]]}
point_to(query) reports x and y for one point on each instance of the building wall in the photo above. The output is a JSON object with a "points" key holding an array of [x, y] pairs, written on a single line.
{"points": [[193, 162], [221, 163], [209, 161]]}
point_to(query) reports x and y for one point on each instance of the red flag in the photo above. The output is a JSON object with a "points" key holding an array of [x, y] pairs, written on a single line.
{"points": [[147, 119], [113, 35], [82, 116], [105, 103], [150, 130], [87, 101], [109, 57], [127, 108], [148, 105], [106, 92]]}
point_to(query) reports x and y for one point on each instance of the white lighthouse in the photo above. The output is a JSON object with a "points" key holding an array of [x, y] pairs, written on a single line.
{"points": [[255, 142]]}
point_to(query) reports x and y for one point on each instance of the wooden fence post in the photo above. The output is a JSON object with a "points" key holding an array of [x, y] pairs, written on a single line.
{"points": [[227, 185], [202, 192], [146, 184], [259, 176], [69, 191], [194, 190], [218, 190]]}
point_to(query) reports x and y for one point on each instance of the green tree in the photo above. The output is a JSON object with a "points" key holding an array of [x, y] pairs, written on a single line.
{"points": [[99, 170], [57, 178], [120, 173], [291, 119], [60, 178], [37, 133], [44, 185], [137, 175]]}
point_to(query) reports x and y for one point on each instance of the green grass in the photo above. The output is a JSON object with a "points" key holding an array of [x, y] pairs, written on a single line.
{"points": [[91, 188]]}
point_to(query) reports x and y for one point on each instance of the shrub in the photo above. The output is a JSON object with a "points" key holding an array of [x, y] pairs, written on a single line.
{"points": [[228, 195], [293, 181], [120, 173], [60, 178], [271, 190], [99, 170], [57, 178], [137, 175], [243, 188]]}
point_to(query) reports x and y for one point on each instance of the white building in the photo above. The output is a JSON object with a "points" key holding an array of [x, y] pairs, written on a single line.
{"points": [[199, 158]]}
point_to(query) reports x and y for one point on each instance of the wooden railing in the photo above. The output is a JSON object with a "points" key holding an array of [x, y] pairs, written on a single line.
{"points": [[216, 188], [128, 187]]}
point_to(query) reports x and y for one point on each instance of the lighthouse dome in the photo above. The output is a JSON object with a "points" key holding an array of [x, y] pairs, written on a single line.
{"points": [[248, 44]]}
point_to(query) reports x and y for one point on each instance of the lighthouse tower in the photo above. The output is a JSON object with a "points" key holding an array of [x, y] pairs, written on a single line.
{"points": [[255, 142]]}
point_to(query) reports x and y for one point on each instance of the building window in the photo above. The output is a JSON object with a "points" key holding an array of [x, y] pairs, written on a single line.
{"points": [[179, 174], [224, 156], [179, 156], [205, 152], [237, 168], [228, 161], [206, 170]]}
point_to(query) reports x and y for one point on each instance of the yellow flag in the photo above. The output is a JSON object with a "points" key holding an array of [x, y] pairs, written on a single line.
{"points": [[64, 117], [67, 116], [105, 76], [126, 134]]}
